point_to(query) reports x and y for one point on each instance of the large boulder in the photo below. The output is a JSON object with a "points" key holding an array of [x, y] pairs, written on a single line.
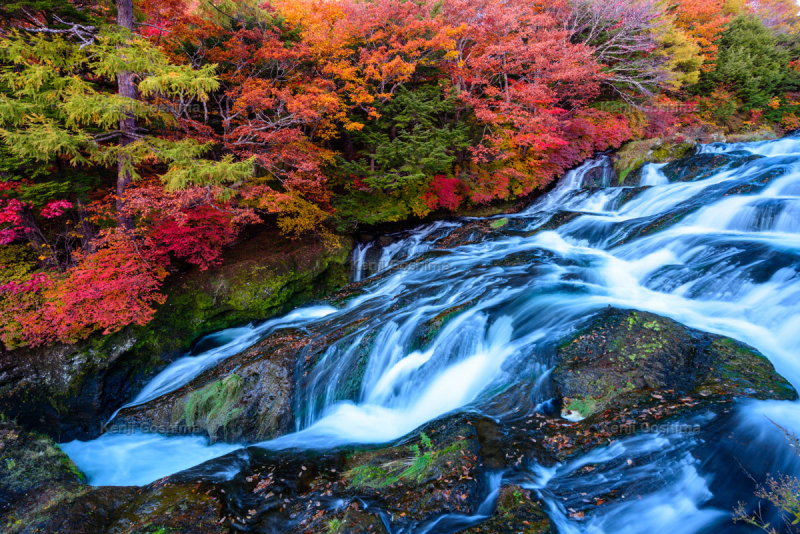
{"points": [[246, 398], [628, 371], [67, 390]]}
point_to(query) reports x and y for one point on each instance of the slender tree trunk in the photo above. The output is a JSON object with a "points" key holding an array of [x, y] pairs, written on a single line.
{"points": [[36, 238], [127, 125], [86, 228]]}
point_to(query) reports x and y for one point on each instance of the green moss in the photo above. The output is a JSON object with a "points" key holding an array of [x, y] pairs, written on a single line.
{"points": [[498, 223], [743, 369], [411, 468], [516, 512], [256, 282], [670, 152], [585, 407], [510, 498], [214, 406]]}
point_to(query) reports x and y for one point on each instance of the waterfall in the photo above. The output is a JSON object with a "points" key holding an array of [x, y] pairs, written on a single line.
{"points": [[720, 253], [652, 175], [359, 257], [370, 259]]}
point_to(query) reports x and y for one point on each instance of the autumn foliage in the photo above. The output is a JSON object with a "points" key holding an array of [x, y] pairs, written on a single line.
{"points": [[316, 116]]}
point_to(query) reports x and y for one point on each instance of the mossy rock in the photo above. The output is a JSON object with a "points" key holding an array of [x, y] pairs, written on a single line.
{"points": [[432, 472], [700, 166], [629, 160], [246, 398], [68, 390], [624, 353], [35, 478], [671, 151], [630, 369], [41, 490], [517, 511], [353, 520]]}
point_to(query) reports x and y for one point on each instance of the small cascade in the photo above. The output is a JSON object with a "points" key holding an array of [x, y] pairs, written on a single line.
{"points": [[652, 175], [371, 258], [788, 146], [359, 258], [573, 182]]}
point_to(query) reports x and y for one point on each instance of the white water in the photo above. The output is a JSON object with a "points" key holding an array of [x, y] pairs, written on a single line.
{"points": [[138, 458], [226, 343], [652, 175], [676, 507], [722, 262], [359, 258], [370, 259]]}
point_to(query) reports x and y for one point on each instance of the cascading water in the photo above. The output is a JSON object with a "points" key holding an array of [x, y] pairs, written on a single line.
{"points": [[720, 253], [370, 258]]}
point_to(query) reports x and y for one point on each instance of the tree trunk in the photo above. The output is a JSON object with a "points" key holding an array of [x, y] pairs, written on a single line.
{"points": [[87, 241], [36, 238], [127, 124]]}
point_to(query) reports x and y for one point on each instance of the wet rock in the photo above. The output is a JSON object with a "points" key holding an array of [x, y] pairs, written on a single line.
{"points": [[631, 371], [518, 511], [430, 472], [248, 398], [431, 329], [702, 166], [434, 473], [598, 177], [628, 194], [67, 391], [469, 233], [353, 520], [41, 490], [558, 219]]}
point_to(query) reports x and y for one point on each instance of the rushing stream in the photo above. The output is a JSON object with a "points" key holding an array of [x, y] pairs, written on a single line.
{"points": [[720, 253]]}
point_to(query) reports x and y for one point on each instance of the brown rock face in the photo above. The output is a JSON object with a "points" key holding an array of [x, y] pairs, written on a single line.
{"points": [[248, 398]]}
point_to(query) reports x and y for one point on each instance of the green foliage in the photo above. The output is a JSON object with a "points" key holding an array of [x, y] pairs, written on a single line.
{"points": [[64, 9], [418, 135], [55, 103], [411, 469], [17, 263], [415, 137], [749, 62]]}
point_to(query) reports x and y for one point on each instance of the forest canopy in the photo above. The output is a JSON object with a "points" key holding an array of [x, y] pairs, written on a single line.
{"points": [[140, 137]]}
